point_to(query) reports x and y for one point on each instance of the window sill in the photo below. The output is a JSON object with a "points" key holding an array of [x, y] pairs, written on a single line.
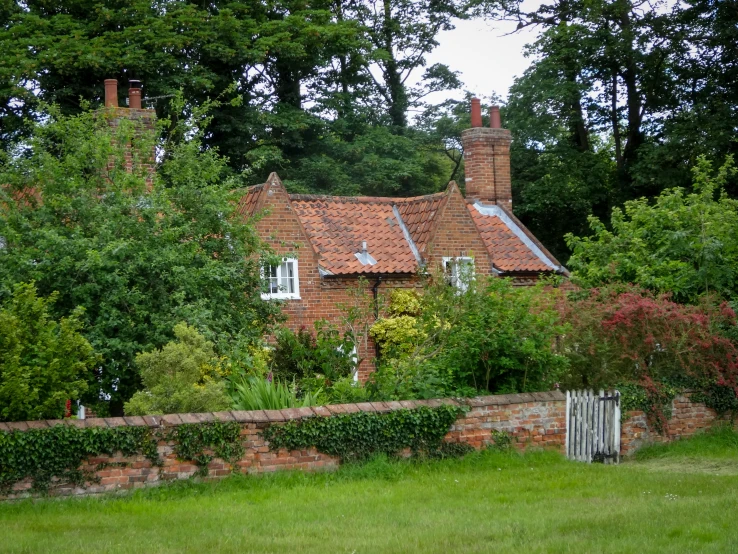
{"points": [[280, 297]]}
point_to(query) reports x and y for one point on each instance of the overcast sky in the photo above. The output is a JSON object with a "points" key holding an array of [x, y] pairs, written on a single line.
{"points": [[487, 56]]}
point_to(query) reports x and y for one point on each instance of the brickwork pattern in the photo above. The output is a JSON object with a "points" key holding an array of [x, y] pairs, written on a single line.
{"points": [[456, 236], [536, 419], [687, 418], [487, 165]]}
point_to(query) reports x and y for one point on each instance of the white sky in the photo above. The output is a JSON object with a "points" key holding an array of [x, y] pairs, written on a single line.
{"points": [[488, 58]]}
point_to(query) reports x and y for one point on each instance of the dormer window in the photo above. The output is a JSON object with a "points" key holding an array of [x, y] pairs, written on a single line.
{"points": [[282, 281], [459, 271]]}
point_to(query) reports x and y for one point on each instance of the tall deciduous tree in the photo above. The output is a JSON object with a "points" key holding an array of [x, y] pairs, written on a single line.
{"points": [[76, 220]]}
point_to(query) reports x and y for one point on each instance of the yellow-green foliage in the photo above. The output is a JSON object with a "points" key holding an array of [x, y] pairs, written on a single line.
{"points": [[398, 334], [184, 376], [404, 302]]}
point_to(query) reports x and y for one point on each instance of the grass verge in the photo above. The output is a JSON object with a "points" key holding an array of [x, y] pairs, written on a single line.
{"points": [[486, 502]]}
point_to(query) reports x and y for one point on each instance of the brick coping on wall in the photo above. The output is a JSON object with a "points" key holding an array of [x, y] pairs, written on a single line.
{"points": [[280, 416]]}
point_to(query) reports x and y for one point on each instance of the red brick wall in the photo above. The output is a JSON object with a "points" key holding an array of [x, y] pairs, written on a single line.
{"points": [[536, 419], [687, 418]]}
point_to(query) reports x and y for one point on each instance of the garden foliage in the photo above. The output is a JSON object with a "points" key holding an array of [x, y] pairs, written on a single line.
{"points": [[183, 376], [684, 243], [81, 215], [492, 337], [626, 335], [43, 362], [259, 393], [306, 354]]}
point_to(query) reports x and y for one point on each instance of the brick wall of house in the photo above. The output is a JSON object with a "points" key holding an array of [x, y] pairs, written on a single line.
{"points": [[456, 235], [687, 418], [536, 419]]}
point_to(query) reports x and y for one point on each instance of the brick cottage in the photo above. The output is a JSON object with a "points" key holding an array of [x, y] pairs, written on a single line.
{"points": [[329, 242]]}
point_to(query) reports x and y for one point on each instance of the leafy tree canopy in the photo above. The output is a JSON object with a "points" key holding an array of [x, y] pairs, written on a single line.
{"points": [[82, 215], [683, 243]]}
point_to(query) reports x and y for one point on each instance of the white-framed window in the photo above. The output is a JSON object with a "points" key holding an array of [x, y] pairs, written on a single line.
{"points": [[282, 281], [459, 271]]}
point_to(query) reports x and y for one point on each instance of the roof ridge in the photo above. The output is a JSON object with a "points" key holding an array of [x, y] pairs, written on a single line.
{"points": [[364, 199]]}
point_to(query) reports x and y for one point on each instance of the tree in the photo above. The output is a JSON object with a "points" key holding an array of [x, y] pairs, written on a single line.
{"points": [[43, 363], [83, 215], [300, 73], [684, 243], [183, 376]]}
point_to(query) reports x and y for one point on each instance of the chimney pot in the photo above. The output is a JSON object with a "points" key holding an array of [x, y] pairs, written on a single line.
{"points": [[111, 93], [134, 95], [494, 117], [476, 113]]}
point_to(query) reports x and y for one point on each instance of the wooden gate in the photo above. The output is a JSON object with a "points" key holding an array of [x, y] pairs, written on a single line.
{"points": [[593, 426]]}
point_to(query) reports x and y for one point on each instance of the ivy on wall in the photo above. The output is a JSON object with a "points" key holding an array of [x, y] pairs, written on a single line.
{"points": [[361, 435], [56, 454], [203, 442]]}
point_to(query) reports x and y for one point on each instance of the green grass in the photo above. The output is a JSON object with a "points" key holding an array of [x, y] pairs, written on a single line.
{"points": [[664, 501]]}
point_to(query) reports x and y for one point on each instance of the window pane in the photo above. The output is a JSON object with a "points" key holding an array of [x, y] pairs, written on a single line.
{"points": [[288, 285]]}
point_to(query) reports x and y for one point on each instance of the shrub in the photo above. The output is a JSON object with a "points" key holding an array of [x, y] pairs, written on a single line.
{"points": [[491, 337], [43, 363], [183, 376], [626, 335], [308, 355]]}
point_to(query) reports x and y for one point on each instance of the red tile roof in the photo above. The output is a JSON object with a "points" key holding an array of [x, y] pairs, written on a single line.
{"points": [[397, 232], [248, 202], [337, 226], [420, 215], [509, 246]]}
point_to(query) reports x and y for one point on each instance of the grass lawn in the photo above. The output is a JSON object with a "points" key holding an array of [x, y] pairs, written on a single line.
{"points": [[680, 498]]}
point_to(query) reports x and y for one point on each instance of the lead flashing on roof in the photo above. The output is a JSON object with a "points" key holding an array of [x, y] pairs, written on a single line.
{"points": [[406, 234], [364, 257], [496, 211]]}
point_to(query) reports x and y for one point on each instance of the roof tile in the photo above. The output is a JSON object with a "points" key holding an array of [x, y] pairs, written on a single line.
{"points": [[507, 250]]}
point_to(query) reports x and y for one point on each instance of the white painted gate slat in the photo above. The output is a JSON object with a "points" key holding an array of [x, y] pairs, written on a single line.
{"points": [[593, 426]]}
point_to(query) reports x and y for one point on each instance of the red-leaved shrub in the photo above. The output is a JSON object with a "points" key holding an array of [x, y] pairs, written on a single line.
{"points": [[629, 335]]}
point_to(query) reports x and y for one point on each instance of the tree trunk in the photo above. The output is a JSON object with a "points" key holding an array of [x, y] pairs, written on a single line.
{"points": [[392, 78]]}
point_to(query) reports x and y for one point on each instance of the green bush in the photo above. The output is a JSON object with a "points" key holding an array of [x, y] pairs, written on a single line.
{"points": [[183, 376], [308, 355], [490, 337], [43, 363]]}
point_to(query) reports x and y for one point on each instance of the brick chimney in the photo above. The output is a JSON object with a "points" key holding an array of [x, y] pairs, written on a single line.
{"points": [[143, 119], [487, 158]]}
